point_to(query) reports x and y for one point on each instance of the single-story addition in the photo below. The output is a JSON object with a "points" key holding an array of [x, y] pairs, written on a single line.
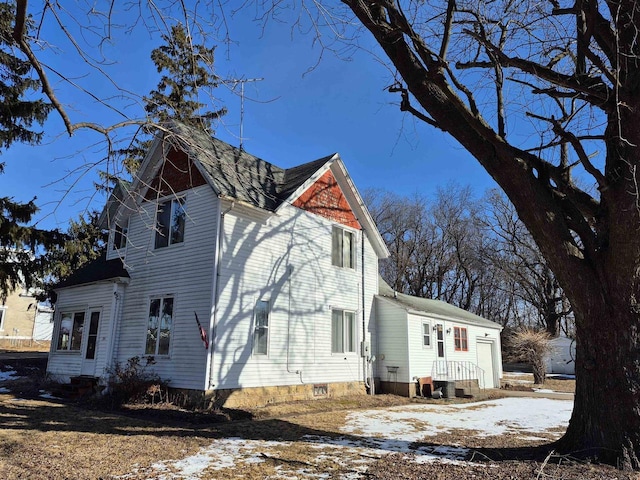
{"points": [[246, 282], [420, 338]]}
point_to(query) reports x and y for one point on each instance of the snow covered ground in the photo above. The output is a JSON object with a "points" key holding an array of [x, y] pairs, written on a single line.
{"points": [[370, 434]]}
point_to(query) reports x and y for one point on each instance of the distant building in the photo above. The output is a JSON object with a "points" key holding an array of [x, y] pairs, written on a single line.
{"points": [[23, 318]]}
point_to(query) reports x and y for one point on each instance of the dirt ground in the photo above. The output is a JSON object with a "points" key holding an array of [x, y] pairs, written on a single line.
{"points": [[53, 439]]}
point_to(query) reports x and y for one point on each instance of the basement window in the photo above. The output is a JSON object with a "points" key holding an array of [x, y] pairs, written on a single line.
{"points": [[320, 390]]}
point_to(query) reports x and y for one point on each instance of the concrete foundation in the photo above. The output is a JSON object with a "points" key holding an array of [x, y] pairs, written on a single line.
{"points": [[261, 396]]}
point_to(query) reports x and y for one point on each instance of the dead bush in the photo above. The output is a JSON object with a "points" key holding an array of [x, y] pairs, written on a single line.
{"points": [[530, 346], [133, 383]]}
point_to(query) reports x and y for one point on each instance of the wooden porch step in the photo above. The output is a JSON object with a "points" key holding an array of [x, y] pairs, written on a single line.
{"points": [[78, 387]]}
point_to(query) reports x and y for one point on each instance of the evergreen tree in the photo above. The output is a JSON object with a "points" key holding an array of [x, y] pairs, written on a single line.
{"points": [[18, 241], [187, 70]]}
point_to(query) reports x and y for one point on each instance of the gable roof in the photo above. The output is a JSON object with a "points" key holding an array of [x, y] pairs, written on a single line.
{"points": [[97, 270], [238, 175], [427, 306]]}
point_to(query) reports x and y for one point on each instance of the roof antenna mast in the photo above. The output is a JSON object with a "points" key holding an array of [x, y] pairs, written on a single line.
{"points": [[242, 82]]}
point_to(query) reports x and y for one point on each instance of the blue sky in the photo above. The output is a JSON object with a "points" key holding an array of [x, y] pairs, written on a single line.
{"points": [[290, 118]]}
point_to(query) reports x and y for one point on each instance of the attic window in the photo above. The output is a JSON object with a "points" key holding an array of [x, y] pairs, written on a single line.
{"points": [[170, 222]]}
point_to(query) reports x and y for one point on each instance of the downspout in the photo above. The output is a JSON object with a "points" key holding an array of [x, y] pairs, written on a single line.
{"points": [[366, 363], [113, 318], [215, 289], [297, 372]]}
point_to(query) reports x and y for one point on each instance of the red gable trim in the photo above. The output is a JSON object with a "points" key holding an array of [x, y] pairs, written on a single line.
{"points": [[325, 198], [176, 175]]}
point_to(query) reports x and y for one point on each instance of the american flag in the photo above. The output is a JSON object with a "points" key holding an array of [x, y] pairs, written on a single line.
{"points": [[203, 333]]}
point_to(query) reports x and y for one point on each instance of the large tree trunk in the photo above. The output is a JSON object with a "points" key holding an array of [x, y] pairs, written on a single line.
{"points": [[606, 417], [591, 242]]}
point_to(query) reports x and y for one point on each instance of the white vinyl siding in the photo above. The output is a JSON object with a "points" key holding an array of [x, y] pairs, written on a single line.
{"points": [[88, 298], [186, 274], [285, 258]]}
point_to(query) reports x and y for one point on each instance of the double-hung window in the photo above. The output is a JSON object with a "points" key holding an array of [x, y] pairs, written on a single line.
{"points": [[426, 334], [343, 248], [70, 333], [119, 237], [170, 219], [460, 339], [159, 326], [343, 331], [3, 311], [261, 328]]}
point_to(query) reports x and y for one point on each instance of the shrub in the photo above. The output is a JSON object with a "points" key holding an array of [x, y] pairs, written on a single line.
{"points": [[533, 347], [133, 383]]}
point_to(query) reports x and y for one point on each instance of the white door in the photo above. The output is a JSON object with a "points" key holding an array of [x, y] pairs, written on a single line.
{"points": [[485, 362], [91, 344]]}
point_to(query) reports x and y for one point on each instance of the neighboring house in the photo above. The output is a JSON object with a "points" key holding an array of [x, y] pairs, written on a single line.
{"points": [[23, 318], [419, 338], [561, 357], [279, 266]]}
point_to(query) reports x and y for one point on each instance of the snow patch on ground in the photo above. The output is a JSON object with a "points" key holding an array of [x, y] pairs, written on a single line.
{"points": [[371, 434], [8, 375]]}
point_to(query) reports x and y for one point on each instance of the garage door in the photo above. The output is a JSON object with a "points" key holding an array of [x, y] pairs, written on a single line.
{"points": [[485, 362]]}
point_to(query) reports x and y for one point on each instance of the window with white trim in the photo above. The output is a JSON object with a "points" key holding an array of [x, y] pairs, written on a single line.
{"points": [[3, 313], [70, 331], [261, 328], [426, 335], [119, 237], [343, 331], [170, 219], [343, 248], [159, 326]]}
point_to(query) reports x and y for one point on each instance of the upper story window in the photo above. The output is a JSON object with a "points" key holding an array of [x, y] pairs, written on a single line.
{"points": [[170, 219], [261, 329], [343, 248], [70, 333], [460, 339], [119, 237]]}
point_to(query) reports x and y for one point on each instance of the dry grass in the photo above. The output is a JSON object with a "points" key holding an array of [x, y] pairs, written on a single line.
{"points": [[525, 382]]}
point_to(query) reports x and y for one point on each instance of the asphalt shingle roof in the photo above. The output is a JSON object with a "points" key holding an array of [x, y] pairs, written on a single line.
{"points": [[95, 271], [430, 306], [237, 174]]}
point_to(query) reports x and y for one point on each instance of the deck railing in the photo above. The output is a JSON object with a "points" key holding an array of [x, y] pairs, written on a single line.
{"points": [[443, 370]]}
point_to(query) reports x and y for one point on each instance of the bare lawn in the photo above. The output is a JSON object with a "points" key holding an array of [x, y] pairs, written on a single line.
{"points": [[381, 437]]}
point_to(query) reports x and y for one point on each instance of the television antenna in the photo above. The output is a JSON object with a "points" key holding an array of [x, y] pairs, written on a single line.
{"points": [[242, 83]]}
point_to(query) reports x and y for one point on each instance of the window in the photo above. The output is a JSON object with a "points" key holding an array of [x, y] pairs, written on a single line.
{"points": [[343, 331], [261, 329], [440, 339], [460, 339], [159, 326], [426, 334], [92, 339], [343, 248], [119, 237], [170, 222], [70, 333], [3, 311]]}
